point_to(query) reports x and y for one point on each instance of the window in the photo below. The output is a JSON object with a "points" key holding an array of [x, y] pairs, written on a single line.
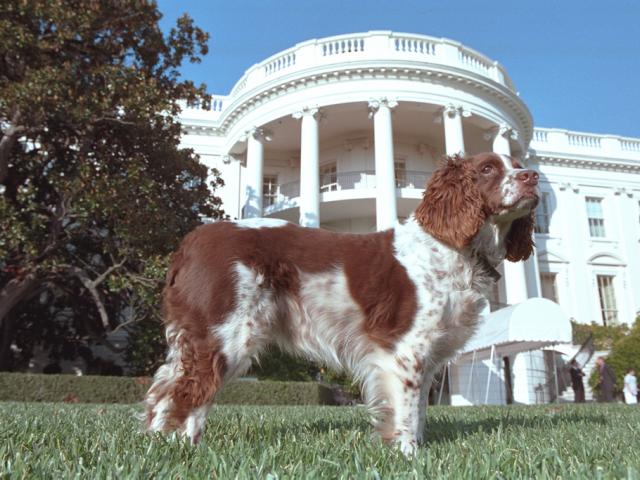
{"points": [[596, 217], [607, 296], [269, 190], [328, 178], [400, 172], [548, 284], [543, 214]]}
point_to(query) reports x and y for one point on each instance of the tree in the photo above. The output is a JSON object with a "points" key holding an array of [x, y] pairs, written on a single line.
{"points": [[624, 354], [94, 189]]}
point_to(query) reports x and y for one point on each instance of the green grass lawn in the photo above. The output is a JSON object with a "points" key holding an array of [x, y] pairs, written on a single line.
{"points": [[41, 440]]}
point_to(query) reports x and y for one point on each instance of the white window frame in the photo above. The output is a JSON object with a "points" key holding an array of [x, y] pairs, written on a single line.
{"points": [[329, 171], [554, 277], [270, 190], [400, 172], [609, 308], [543, 214], [596, 224]]}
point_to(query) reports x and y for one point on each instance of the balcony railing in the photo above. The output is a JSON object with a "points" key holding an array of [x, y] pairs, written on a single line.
{"points": [[370, 46], [341, 181], [551, 139]]}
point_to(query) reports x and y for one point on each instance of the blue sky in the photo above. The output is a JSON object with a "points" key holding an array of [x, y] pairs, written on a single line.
{"points": [[575, 63]]}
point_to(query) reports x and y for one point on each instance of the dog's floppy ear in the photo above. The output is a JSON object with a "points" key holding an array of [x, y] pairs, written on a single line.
{"points": [[452, 208], [519, 241]]}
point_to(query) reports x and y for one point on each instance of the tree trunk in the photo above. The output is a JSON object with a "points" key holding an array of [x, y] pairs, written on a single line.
{"points": [[7, 142], [6, 338], [14, 292]]}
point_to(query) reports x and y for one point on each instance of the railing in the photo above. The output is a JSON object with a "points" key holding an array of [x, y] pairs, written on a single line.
{"points": [[475, 62], [346, 45], [585, 143], [579, 140], [283, 61], [376, 45], [216, 104], [540, 136], [415, 45], [630, 145], [354, 181]]}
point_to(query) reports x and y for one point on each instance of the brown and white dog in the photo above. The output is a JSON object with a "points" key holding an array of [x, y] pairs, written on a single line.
{"points": [[390, 307]]}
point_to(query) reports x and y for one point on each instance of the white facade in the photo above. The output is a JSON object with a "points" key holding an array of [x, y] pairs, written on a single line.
{"points": [[343, 133]]}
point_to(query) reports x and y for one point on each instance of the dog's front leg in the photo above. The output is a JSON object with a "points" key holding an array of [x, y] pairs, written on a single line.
{"points": [[427, 380], [399, 411]]}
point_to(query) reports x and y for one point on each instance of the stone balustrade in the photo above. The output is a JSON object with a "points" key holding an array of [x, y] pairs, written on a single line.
{"points": [[610, 146], [376, 45]]}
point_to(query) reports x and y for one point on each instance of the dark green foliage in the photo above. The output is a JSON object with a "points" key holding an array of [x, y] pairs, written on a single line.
{"points": [[276, 365], [624, 354], [246, 392], [104, 389], [603, 337], [94, 190], [71, 388]]}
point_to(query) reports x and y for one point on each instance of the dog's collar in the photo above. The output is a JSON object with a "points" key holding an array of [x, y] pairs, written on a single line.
{"points": [[487, 268]]}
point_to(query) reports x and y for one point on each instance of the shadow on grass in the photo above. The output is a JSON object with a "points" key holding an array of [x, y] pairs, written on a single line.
{"points": [[449, 427]]}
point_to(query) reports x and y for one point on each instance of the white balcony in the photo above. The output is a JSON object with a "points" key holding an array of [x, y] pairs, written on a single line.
{"points": [[344, 191]]}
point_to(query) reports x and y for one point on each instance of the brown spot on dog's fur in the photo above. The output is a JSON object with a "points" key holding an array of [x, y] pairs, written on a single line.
{"points": [[202, 274]]}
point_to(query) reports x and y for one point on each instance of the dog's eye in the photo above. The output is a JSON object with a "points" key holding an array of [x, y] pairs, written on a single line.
{"points": [[487, 169]]}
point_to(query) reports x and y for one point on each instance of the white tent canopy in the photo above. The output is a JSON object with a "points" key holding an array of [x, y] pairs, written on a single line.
{"points": [[530, 325]]}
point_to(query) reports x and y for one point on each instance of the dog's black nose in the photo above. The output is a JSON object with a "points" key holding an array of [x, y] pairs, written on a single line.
{"points": [[528, 177]]}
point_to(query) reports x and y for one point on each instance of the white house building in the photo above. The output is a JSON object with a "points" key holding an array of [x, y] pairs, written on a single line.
{"points": [[343, 132]]}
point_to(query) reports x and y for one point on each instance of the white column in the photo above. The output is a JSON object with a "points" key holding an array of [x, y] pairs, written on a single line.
{"points": [[309, 168], [453, 133], [515, 276], [255, 167], [386, 209], [501, 136]]}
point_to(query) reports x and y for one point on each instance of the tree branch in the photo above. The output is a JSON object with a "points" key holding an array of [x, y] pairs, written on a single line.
{"points": [[102, 277], [93, 291], [9, 139]]}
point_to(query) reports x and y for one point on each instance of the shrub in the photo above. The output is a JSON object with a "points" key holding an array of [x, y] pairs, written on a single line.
{"points": [[603, 336], [276, 365], [101, 389], [625, 354]]}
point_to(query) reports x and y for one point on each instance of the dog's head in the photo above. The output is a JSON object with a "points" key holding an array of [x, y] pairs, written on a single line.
{"points": [[466, 192]]}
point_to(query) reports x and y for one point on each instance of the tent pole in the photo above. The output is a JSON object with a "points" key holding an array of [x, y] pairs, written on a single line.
{"points": [[449, 379], [555, 375], [473, 362], [442, 377], [486, 393]]}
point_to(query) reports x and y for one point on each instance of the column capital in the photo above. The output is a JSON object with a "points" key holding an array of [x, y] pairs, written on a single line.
{"points": [[621, 191], [259, 133], [569, 186], [314, 112], [503, 130], [376, 103], [450, 111], [228, 158]]}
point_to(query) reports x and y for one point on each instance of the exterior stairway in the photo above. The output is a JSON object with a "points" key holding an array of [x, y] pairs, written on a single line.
{"points": [[567, 395]]}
